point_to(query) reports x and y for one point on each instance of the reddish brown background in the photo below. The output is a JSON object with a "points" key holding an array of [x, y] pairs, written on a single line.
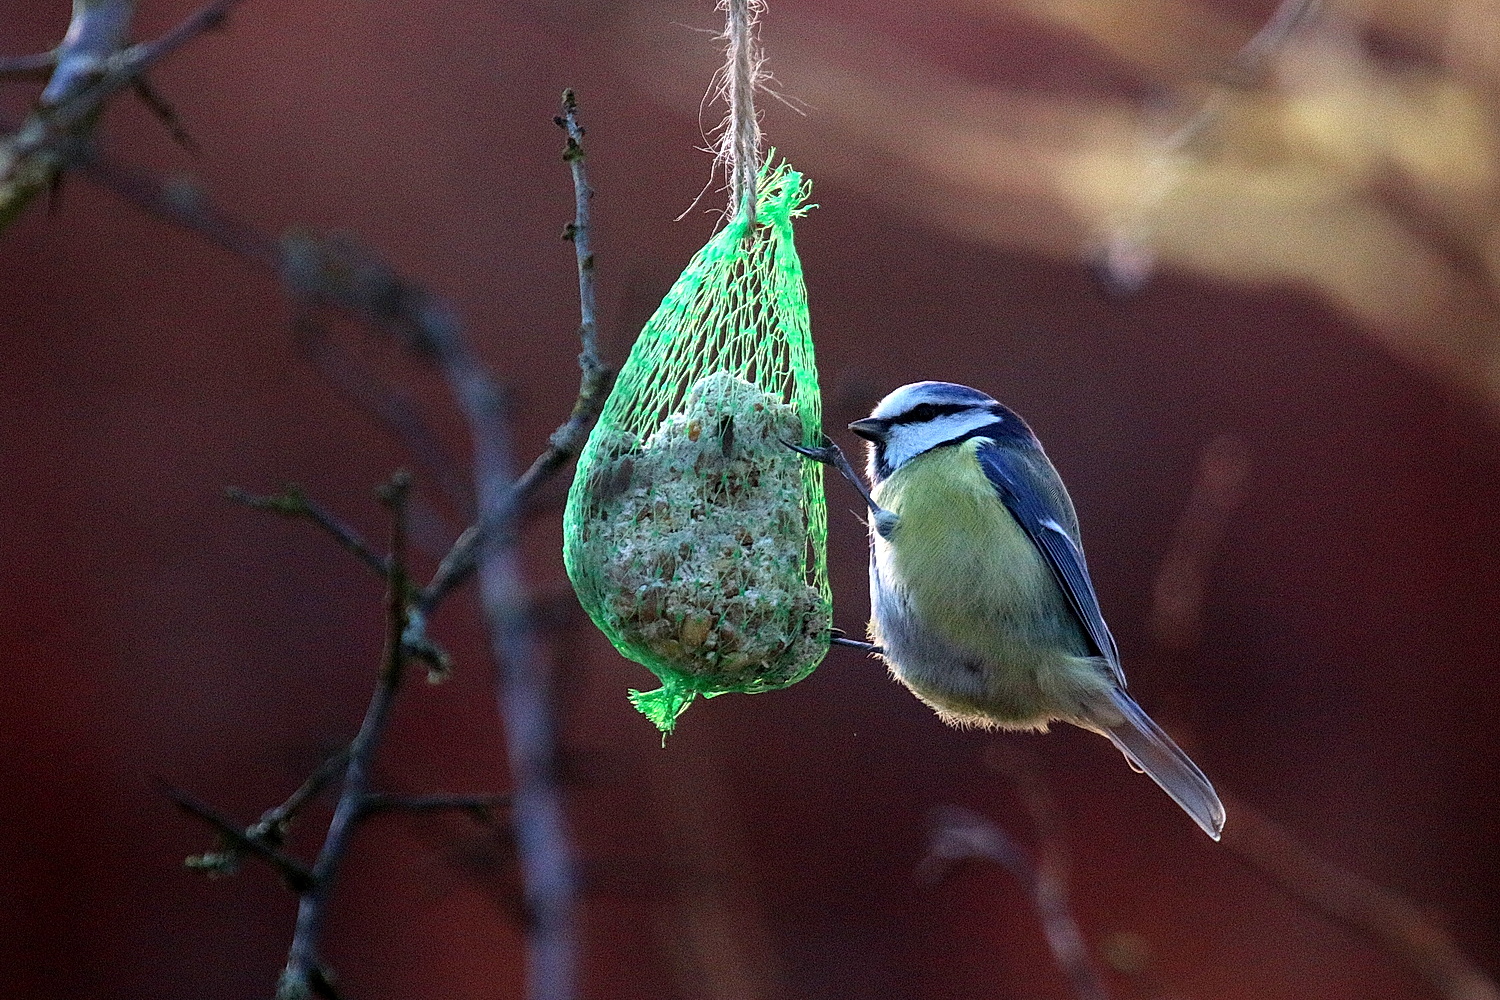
{"points": [[1346, 685]]}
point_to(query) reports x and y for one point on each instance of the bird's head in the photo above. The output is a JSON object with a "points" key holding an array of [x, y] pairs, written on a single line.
{"points": [[919, 417]]}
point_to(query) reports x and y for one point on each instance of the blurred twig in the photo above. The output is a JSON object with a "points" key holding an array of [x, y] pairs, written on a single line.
{"points": [[32, 67], [1289, 15], [182, 204], [1182, 578], [351, 377], [1393, 923], [334, 273], [481, 807], [1125, 256], [524, 691], [958, 833], [1382, 916], [92, 65]]}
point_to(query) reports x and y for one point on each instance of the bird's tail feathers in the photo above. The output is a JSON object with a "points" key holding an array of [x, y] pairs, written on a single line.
{"points": [[1151, 750]]}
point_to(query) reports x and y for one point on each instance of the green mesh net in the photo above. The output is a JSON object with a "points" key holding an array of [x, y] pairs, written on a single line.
{"points": [[695, 538]]}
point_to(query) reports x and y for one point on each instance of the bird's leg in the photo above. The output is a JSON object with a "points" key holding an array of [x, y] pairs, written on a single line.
{"points": [[864, 647], [831, 454]]}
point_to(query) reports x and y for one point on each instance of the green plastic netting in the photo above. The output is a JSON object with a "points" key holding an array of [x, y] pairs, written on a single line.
{"points": [[695, 538]]}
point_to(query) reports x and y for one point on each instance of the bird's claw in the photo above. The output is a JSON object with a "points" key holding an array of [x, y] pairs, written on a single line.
{"points": [[828, 453]]}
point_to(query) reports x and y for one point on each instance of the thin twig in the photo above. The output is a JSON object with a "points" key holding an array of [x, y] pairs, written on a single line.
{"points": [[182, 204], [166, 114], [593, 388], [305, 975], [273, 822], [293, 503], [297, 876], [32, 67], [1250, 61], [1391, 921], [580, 232], [92, 67], [482, 807], [959, 833]]}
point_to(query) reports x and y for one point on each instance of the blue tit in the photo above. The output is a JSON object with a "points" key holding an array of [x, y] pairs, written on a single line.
{"points": [[979, 592]]}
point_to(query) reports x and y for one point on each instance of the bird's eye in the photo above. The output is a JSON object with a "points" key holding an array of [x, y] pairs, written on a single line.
{"points": [[924, 412]]}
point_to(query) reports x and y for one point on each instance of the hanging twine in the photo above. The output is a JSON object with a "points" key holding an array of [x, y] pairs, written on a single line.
{"points": [[695, 539], [739, 149]]}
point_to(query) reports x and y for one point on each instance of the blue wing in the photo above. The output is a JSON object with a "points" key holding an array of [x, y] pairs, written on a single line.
{"points": [[1032, 492]]}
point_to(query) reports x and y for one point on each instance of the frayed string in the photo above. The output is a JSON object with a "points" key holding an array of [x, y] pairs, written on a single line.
{"points": [[739, 148]]}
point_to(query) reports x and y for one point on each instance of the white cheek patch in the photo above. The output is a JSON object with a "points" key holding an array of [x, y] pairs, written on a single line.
{"points": [[906, 441]]}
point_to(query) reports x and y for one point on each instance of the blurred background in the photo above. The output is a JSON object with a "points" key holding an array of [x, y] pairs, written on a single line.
{"points": [[1241, 275]]}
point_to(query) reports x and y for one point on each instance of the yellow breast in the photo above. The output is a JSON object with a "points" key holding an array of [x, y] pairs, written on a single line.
{"points": [[968, 569]]}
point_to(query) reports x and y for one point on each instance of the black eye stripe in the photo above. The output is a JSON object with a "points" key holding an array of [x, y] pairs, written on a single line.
{"points": [[927, 411]]}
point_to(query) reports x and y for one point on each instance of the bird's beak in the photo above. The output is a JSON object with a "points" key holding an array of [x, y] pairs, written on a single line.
{"points": [[870, 428]]}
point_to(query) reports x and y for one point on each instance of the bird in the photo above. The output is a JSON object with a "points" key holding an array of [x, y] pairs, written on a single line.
{"points": [[980, 596]]}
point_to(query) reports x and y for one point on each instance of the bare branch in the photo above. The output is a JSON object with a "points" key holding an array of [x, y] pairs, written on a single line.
{"points": [[524, 692], [142, 57], [96, 33], [305, 975], [580, 232], [377, 297], [92, 68], [1391, 921], [296, 875]]}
